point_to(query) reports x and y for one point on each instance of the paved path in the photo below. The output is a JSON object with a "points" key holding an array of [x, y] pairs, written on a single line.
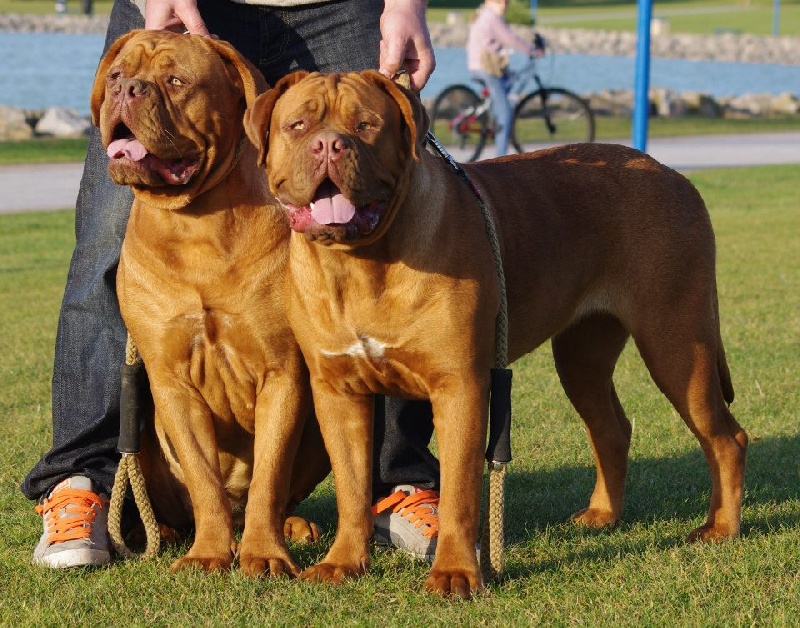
{"points": [[39, 187], [55, 186], [724, 151]]}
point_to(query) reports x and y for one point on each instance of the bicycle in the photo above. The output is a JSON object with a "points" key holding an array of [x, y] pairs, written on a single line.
{"points": [[544, 116]]}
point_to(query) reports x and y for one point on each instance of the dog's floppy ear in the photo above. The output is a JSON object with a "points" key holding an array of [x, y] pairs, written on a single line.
{"points": [[258, 115], [241, 70], [414, 114], [99, 87]]}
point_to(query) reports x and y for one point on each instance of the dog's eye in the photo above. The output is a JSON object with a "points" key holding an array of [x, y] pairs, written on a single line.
{"points": [[174, 80], [113, 76], [299, 125], [365, 126]]}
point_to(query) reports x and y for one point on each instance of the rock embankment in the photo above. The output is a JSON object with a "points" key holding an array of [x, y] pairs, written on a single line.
{"points": [[728, 47], [53, 23], [18, 124]]}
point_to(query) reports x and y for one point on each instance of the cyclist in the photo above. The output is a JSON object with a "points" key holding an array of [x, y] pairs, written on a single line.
{"points": [[489, 38]]}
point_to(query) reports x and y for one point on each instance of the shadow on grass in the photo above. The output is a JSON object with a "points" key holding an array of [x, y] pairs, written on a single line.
{"points": [[659, 493], [665, 499], [658, 488]]}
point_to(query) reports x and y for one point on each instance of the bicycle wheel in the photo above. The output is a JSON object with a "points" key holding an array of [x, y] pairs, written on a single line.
{"points": [[549, 116], [458, 122]]}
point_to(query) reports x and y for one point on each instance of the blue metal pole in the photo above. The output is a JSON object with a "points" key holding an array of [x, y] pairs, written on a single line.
{"points": [[533, 8], [776, 17], [641, 102]]}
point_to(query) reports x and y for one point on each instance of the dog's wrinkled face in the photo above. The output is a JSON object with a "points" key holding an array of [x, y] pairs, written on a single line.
{"points": [[339, 149], [169, 108]]}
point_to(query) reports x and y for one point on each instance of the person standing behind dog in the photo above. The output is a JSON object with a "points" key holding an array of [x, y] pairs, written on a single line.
{"points": [[71, 481], [489, 38]]}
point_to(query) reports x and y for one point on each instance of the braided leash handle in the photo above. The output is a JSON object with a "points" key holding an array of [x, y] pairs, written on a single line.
{"points": [[493, 536], [130, 469]]}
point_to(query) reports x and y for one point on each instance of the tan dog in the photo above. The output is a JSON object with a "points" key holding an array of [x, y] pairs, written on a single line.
{"points": [[201, 288], [394, 290]]}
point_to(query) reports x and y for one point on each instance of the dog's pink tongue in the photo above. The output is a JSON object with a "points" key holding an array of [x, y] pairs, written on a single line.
{"points": [[331, 207], [128, 147]]}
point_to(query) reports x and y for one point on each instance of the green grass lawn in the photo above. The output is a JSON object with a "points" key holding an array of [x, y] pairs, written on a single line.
{"points": [[43, 151], [702, 17], [50, 150], [639, 574]]}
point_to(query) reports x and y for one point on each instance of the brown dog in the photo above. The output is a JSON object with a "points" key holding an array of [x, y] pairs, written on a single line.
{"points": [[394, 290], [201, 288]]}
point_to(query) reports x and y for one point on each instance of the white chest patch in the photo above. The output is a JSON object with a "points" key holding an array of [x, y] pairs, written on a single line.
{"points": [[364, 347]]}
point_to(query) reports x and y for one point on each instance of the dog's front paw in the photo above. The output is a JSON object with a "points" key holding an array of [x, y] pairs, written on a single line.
{"points": [[461, 582], [332, 572], [260, 566], [595, 518], [712, 533], [205, 563], [300, 530]]}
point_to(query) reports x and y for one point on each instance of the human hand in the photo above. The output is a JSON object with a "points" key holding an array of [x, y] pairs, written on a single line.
{"points": [[406, 42], [174, 15]]}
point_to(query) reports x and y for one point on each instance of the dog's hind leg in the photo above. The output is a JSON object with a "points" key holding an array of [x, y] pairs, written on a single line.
{"points": [[585, 355], [682, 349]]}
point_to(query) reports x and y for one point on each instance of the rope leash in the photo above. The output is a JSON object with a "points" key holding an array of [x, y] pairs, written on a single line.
{"points": [[130, 469], [498, 451]]}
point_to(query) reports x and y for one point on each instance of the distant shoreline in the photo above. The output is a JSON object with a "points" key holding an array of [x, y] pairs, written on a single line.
{"points": [[727, 47]]}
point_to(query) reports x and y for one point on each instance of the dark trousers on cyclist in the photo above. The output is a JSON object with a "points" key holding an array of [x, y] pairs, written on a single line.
{"points": [[501, 109]]}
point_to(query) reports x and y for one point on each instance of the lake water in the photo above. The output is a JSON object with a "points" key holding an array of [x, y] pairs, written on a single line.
{"points": [[44, 70]]}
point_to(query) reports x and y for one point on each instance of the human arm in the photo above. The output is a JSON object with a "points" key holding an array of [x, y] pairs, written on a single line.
{"points": [[406, 42], [174, 15]]}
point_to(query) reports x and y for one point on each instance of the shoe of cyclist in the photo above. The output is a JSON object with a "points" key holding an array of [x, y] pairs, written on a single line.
{"points": [[75, 519], [408, 519]]}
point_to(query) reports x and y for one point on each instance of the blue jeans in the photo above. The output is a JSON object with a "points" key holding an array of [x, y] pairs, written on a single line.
{"points": [[501, 109], [90, 341]]}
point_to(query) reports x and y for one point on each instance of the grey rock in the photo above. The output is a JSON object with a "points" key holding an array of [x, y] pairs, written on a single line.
{"points": [[60, 122], [13, 124]]}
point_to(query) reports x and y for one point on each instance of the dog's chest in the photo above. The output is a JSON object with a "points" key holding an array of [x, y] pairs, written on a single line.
{"points": [[367, 364], [225, 356], [216, 354], [361, 328], [363, 347]]}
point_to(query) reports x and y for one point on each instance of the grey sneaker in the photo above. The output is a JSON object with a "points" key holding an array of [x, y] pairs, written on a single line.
{"points": [[75, 526], [408, 519]]}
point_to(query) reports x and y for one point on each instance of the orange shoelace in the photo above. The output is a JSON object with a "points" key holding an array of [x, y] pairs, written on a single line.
{"points": [[419, 508], [69, 513]]}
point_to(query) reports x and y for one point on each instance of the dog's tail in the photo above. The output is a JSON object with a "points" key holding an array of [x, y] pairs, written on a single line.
{"points": [[722, 362]]}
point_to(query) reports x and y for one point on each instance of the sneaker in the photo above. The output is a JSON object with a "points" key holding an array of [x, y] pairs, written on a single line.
{"points": [[75, 526], [408, 519]]}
